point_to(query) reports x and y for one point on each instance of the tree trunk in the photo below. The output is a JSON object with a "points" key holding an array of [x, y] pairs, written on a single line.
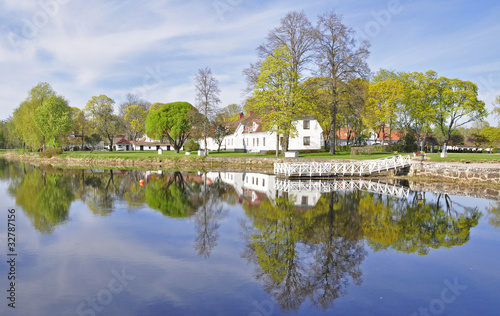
{"points": [[110, 143], [205, 144], [277, 144], [333, 123], [83, 136]]}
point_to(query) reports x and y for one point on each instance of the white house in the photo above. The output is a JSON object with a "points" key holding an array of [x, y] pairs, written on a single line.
{"points": [[248, 135], [147, 143]]}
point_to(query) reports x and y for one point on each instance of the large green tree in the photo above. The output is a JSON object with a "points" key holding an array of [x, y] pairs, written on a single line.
{"points": [[102, 118], [384, 97], [420, 92], [135, 120], [23, 118], [339, 59], [457, 104], [53, 118], [173, 121], [278, 99]]}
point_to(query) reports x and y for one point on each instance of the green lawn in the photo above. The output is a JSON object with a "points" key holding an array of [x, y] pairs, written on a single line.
{"points": [[457, 157], [322, 155], [172, 154]]}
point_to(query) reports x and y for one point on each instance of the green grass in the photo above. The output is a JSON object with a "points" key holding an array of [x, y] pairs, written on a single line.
{"points": [[136, 155], [457, 157], [172, 154]]}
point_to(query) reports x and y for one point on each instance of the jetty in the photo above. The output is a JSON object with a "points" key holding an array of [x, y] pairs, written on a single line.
{"points": [[352, 168]]}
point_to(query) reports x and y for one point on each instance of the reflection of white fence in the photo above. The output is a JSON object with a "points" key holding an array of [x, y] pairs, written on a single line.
{"points": [[351, 168], [286, 185]]}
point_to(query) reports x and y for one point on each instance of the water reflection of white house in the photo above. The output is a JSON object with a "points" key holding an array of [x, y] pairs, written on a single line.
{"points": [[254, 186], [304, 194]]}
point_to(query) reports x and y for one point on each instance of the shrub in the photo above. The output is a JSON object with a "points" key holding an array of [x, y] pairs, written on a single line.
{"points": [[51, 152], [191, 145]]}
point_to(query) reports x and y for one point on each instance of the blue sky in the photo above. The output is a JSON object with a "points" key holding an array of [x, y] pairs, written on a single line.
{"points": [[154, 48]]}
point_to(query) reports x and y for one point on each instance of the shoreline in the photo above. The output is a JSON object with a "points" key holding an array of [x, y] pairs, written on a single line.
{"points": [[446, 171]]}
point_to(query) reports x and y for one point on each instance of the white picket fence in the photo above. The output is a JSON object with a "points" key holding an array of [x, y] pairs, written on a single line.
{"points": [[327, 186], [351, 168]]}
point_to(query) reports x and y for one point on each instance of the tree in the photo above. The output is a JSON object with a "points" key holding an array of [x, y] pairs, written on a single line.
{"points": [[228, 114], [490, 135], [384, 98], [53, 118], [134, 119], [132, 99], [93, 140], [457, 104], [278, 100], [340, 60], [173, 121], [104, 122], [219, 134], [23, 121], [297, 34], [81, 125], [207, 98], [478, 139], [155, 107]]}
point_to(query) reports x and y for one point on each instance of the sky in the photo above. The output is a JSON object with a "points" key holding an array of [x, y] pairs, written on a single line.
{"points": [[155, 48]]}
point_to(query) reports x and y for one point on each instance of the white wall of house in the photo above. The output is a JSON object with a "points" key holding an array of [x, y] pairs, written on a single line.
{"points": [[152, 147], [309, 136]]}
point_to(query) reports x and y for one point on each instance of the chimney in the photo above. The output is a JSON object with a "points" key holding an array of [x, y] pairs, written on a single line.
{"points": [[251, 113], [241, 116]]}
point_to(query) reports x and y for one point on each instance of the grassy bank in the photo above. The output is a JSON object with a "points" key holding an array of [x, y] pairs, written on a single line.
{"points": [[461, 157], [147, 155], [170, 154]]}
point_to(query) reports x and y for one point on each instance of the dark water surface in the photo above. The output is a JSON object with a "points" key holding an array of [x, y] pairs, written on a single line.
{"points": [[97, 242]]}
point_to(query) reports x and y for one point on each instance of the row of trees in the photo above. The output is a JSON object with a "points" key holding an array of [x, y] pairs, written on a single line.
{"points": [[45, 118], [339, 94]]}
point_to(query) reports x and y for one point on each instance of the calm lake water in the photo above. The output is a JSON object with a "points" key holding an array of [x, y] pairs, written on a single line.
{"points": [[97, 242]]}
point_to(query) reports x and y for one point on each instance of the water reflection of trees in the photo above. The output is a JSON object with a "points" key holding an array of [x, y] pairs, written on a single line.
{"points": [[281, 242], [208, 216], [419, 225], [172, 195], [45, 197], [315, 254]]}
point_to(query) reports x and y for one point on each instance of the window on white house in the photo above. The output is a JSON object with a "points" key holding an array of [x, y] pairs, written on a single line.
{"points": [[263, 182], [306, 124], [263, 141], [257, 142], [307, 140]]}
